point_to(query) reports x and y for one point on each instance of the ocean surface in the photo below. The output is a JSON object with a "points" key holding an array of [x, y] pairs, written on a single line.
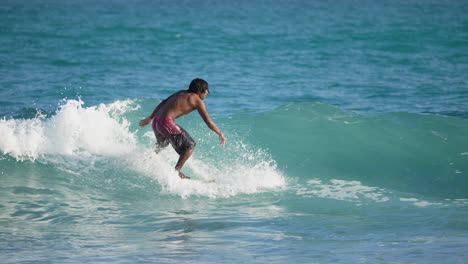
{"points": [[346, 120]]}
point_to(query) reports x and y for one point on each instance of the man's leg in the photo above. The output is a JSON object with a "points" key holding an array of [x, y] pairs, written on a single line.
{"points": [[184, 146], [182, 159]]}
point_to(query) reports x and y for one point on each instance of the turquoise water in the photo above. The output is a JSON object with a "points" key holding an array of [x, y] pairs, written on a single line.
{"points": [[346, 121]]}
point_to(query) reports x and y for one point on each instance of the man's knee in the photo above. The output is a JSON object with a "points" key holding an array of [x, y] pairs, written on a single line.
{"points": [[187, 151]]}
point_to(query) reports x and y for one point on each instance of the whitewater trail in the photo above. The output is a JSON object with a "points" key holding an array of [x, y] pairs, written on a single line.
{"points": [[76, 137]]}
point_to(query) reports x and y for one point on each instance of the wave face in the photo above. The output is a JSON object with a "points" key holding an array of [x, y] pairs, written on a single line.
{"points": [[417, 153]]}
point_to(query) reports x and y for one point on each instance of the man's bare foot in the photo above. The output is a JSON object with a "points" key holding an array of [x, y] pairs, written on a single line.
{"points": [[182, 176]]}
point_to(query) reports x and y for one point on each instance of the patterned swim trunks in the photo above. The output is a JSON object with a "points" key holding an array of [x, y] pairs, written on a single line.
{"points": [[167, 131]]}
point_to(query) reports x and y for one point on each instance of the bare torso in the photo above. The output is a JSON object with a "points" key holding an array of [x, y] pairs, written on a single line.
{"points": [[178, 104]]}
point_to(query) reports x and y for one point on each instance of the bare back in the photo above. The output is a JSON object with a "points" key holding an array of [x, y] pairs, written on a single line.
{"points": [[178, 104]]}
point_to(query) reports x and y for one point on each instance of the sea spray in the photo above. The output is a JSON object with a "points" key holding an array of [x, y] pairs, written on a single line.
{"points": [[245, 174], [73, 130]]}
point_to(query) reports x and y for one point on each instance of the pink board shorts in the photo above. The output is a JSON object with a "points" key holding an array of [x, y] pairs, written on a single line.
{"points": [[167, 131]]}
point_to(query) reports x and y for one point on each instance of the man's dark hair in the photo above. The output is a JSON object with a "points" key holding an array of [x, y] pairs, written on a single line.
{"points": [[198, 86]]}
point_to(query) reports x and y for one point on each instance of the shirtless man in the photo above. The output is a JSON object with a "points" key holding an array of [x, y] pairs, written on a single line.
{"points": [[167, 131]]}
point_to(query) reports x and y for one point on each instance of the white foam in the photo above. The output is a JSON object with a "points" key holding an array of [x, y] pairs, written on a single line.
{"points": [[73, 129], [237, 169], [230, 178], [409, 199], [425, 204], [419, 203], [342, 190]]}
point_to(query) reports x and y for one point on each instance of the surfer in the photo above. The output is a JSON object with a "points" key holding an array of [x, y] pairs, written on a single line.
{"points": [[167, 131]]}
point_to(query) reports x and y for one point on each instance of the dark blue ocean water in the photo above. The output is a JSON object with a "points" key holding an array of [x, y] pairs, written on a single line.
{"points": [[347, 129]]}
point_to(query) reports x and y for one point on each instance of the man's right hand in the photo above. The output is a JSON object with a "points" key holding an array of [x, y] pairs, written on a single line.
{"points": [[145, 121]]}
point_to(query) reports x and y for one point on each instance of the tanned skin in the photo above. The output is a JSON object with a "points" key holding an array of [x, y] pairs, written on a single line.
{"points": [[181, 103]]}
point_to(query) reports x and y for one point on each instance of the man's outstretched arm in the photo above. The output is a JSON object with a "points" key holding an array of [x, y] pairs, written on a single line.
{"points": [[209, 122]]}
